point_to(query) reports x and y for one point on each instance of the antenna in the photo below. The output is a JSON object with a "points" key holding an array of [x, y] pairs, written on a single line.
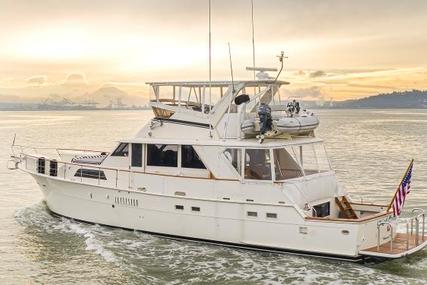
{"points": [[210, 70], [253, 38], [281, 57], [231, 68], [210, 57], [232, 92]]}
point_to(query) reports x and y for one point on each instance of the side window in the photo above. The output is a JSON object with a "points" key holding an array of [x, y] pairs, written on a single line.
{"points": [[190, 159], [322, 210], [136, 155], [234, 155], [285, 164], [307, 158], [121, 150], [162, 155], [322, 158], [257, 164]]}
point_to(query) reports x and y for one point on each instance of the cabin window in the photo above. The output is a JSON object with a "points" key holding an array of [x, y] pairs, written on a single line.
{"points": [[257, 164], [285, 164], [252, 214], [190, 158], [234, 155], [121, 150], [195, 209], [90, 173], [322, 158], [307, 158], [271, 215], [137, 155], [179, 207], [322, 210], [162, 155]]}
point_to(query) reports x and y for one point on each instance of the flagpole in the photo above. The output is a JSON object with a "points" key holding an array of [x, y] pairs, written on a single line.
{"points": [[401, 181]]}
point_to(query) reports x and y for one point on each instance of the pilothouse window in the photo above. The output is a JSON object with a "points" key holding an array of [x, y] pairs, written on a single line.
{"points": [[190, 158], [285, 164], [137, 155], [257, 164], [234, 155], [162, 155], [121, 150]]}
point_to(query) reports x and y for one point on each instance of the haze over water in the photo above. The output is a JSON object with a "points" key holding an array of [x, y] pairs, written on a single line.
{"points": [[369, 149]]}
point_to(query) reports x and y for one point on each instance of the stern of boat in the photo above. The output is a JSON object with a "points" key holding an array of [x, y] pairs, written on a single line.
{"points": [[397, 237]]}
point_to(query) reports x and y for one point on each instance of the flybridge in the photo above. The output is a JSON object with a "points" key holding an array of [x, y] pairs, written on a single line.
{"points": [[167, 98]]}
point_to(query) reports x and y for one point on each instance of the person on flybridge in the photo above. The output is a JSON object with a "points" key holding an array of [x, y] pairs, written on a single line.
{"points": [[264, 113]]}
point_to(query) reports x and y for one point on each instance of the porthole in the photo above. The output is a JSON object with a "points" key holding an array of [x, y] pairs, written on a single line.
{"points": [[179, 207], [345, 232], [252, 214], [195, 209], [271, 215]]}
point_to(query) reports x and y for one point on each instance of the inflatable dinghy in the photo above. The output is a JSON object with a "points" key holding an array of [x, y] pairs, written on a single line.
{"points": [[296, 125]]}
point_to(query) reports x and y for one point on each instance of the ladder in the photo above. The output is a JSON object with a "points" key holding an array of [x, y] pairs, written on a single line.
{"points": [[345, 208]]}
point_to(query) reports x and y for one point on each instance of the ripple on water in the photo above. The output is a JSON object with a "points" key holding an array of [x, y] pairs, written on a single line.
{"points": [[154, 259], [366, 150]]}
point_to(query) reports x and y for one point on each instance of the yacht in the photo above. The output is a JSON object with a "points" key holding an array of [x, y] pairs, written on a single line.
{"points": [[209, 167]]}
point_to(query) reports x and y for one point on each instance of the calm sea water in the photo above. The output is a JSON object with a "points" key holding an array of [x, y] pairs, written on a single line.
{"points": [[369, 150]]}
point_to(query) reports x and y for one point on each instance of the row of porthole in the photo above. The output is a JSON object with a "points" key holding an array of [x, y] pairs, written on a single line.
{"points": [[181, 207], [249, 213], [267, 215], [126, 201]]}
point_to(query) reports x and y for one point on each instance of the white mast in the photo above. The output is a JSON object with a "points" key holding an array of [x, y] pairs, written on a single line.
{"points": [[210, 58], [253, 37], [210, 70]]}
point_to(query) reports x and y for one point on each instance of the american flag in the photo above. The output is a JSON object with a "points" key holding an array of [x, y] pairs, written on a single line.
{"points": [[403, 190]]}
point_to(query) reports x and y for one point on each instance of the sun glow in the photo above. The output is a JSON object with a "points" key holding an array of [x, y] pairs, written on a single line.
{"points": [[54, 43]]}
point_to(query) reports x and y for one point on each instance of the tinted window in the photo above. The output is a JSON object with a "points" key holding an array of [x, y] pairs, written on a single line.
{"points": [[162, 155], [90, 173], [136, 155], [285, 164], [190, 159], [257, 164], [121, 150], [322, 210], [234, 156]]}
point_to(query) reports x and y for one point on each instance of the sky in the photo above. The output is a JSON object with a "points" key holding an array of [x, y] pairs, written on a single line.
{"points": [[336, 49]]}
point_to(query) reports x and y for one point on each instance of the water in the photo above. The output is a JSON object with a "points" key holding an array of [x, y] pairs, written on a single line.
{"points": [[369, 149]]}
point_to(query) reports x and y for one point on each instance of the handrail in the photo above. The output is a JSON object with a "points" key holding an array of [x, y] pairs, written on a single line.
{"points": [[127, 170], [379, 225], [54, 148], [421, 213]]}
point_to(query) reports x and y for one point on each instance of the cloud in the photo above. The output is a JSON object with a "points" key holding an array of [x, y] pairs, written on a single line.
{"points": [[313, 92], [318, 73], [38, 80], [75, 79]]}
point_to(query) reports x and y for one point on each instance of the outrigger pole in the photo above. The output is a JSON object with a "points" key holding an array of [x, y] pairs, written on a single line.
{"points": [[210, 57], [398, 187], [210, 70], [253, 37]]}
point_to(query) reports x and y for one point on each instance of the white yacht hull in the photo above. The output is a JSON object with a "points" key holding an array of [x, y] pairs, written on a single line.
{"points": [[218, 221]]}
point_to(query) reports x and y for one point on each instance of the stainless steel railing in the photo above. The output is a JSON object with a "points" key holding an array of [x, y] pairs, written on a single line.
{"points": [[412, 225]]}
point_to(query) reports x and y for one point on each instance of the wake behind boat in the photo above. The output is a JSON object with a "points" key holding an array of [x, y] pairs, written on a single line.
{"points": [[197, 172]]}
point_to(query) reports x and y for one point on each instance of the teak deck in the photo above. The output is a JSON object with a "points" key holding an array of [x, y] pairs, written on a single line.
{"points": [[399, 244]]}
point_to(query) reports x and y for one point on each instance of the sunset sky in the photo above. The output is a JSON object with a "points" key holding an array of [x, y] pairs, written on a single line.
{"points": [[337, 49]]}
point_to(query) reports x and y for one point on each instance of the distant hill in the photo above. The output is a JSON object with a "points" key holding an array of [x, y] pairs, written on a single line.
{"points": [[406, 99]]}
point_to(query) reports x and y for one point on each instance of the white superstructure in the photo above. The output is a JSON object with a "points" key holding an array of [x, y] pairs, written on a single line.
{"points": [[192, 173]]}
